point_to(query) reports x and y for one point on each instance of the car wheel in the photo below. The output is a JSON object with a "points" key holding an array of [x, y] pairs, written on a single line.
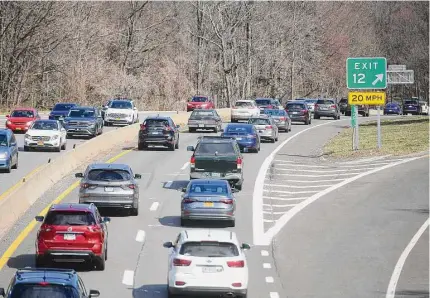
{"points": [[26, 148], [171, 147], [15, 166], [185, 222], [191, 130], [272, 140], [232, 223], [100, 262], [216, 130], [177, 144], [58, 149], [64, 146], [338, 117], [141, 146]]}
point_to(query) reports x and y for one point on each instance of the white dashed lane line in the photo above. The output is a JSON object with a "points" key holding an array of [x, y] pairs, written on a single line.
{"points": [[154, 206], [269, 279], [267, 266], [128, 277], [140, 237], [168, 184], [264, 253], [185, 165], [274, 295]]}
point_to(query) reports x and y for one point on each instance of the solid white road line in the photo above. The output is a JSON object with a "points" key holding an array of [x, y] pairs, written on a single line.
{"points": [[313, 171], [290, 192], [128, 277], [140, 237], [264, 253], [334, 165], [268, 220], [267, 266], [154, 206], [269, 279], [274, 212], [168, 184], [286, 205], [285, 199], [391, 291], [185, 165], [311, 181], [301, 186], [367, 159], [281, 222], [321, 175], [274, 295]]}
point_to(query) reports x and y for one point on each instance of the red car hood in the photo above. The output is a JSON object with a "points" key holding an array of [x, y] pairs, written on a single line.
{"points": [[20, 119]]}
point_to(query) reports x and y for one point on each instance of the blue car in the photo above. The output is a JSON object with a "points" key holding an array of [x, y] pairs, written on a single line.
{"points": [[34, 282], [61, 110], [8, 151], [245, 134], [392, 108]]}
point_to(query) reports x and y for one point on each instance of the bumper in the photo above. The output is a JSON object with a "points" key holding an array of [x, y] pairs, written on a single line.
{"points": [[118, 120], [267, 135], [81, 131], [202, 125], [43, 144], [125, 202], [231, 177], [210, 214], [157, 140], [325, 113], [56, 117], [72, 256], [241, 116], [205, 291], [247, 144], [298, 118], [16, 128], [282, 125], [410, 111], [392, 112], [4, 164]]}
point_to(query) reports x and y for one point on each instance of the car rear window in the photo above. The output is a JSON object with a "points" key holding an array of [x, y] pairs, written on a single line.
{"points": [[411, 102], [259, 121], [70, 218], [63, 107], [209, 249], [243, 104], [212, 148], [109, 175], [238, 129], [208, 188], [26, 290], [199, 99], [295, 106], [263, 101], [325, 102], [343, 100], [156, 122], [275, 112], [22, 113], [202, 113]]}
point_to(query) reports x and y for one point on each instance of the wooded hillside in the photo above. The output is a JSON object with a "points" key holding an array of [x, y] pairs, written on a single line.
{"points": [[161, 53]]}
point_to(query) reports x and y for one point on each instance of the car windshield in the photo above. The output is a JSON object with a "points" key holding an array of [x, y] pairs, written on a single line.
{"points": [[70, 218], [121, 105], [45, 125], [391, 104], [259, 121], [275, 112], [343, 100], [215, 149], [311, 100], [411, 102], [232, 129], [25, 290], [109, 175], [209, 249], [295, 106], [81, 113], [261, 102], [202, 113], [156, 122], [22, 113], [208, 188], [3, 140], [325, 102], [243, 104], [62, 107], [199, 99]]}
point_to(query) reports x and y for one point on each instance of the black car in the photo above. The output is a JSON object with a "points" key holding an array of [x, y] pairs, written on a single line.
{"points": [[217, 158], [158, 131], [343, 103], [363, 110], [299, 112], [32, 282]]}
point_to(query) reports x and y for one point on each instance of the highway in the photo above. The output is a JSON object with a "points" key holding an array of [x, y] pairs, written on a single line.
{"points": [[345, 244], [30, 161]]}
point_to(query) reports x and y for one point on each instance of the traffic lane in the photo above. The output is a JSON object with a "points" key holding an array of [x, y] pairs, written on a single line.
{"points": [[347, 243], [151, 274], [29, 161], [123, 249]]}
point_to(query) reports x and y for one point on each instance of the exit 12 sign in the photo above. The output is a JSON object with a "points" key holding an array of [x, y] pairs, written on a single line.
{"points": [[366, 73]]}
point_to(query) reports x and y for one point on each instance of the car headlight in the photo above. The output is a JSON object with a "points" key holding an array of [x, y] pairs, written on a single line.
{"points": [[55, 137], [8, 122], [27, 136], [3, 154], [92, 124]]}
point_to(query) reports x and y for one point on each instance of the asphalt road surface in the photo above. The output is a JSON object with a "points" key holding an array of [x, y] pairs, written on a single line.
{"points": [[29, 161], [344, 245]]}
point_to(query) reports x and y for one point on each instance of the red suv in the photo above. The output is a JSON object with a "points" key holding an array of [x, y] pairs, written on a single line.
{"points": [[72, 233], [21, 119], [200, 102]]}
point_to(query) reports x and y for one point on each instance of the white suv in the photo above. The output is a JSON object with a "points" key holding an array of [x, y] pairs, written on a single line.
{"points": [[243, 110], [206, 262], [121, 112]]}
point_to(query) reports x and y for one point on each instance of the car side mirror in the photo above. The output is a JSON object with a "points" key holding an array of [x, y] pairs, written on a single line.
{"points": [[190, 148], [7, 116], [168, 244], [178, 126], [106, 219], [135, 108], [39, 218], [245, 246], [137, 176], [184, 189], [2, 293], [13, 144], [234, 190], [79, 175], [94, 293]]}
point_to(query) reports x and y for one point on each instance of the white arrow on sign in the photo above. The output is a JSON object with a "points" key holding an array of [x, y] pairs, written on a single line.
{"points": [[379, 78]]}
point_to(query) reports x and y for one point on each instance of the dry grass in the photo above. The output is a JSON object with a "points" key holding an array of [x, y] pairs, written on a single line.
{"points": [[399, 137]]}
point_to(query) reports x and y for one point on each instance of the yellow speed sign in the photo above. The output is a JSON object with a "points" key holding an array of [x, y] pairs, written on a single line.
{"points": [[367, 98]]}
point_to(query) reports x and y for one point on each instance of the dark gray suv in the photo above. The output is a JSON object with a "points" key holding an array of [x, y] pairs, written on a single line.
{"points": [[326, 108]]}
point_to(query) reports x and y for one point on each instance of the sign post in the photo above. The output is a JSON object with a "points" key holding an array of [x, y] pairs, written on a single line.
{"points": [[354, 125], [379, 126]]}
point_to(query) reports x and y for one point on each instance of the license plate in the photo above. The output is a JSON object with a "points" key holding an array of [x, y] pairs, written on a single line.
{"points": [[211, 269], [216, 175], [118, 118], [295, 112], [155, 133], [201, 125], [390, 110], [238, 139], [323, 108], [208, 204], [40, 143], [109, 189], [18, 128], [69, 237]]}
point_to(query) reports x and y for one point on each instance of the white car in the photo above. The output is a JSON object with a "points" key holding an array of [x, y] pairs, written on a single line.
{"points": [[243, 110], [207, 262], [121, 112], [46, 134]]}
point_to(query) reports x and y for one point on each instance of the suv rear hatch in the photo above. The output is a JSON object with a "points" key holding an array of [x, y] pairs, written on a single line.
{"points": [[411, 105], [296, 109], [215, 157], [264, 104], [155, 128], [325, 105]]}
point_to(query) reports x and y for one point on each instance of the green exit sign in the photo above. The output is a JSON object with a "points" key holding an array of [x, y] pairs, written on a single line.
{"points": [[366, 73]]}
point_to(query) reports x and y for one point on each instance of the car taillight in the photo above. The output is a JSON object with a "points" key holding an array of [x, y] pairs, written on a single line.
{"points": [[270, 107], [85, 185], [268, 126], [142, 127], [168, 128], [94, 229], [236, 264], [252, 136], [189, 201], [192, 161], [233, 107], [333, 106], [46, 228], [239, 163], [227, 201], [304, 111], [181, 262], [131, 186], [282, 118], [44, 283]]}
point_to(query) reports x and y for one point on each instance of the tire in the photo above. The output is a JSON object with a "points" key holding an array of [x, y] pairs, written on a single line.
{"points": [[141, 146], [135, 211], [316, 116], [177, 144], [238, 186], [100, 262], [58, 149], [191, 130], [15, 166], [307, 122], [26, 148], [335, 118], [64, 146], [273, 140], [171, 147], [338, 117], [216, 130], [368, 114], [185, 222]]}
